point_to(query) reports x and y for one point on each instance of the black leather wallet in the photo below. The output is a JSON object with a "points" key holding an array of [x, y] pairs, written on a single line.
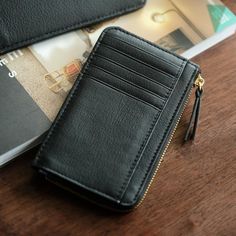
{"points": [[113, 130], [27, 21]]}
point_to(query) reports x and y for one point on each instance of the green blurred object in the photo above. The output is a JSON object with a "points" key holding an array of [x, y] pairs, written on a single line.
{"points": [[221, 17]]}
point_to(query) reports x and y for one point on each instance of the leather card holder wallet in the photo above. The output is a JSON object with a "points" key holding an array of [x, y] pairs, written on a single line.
{"points": [[112, 132], [26, 22]]}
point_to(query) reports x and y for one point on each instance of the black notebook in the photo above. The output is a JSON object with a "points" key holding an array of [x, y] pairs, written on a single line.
{"points": [[22, 121]]}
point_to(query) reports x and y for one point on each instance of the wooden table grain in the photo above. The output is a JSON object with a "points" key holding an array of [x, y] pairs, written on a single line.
{"points": [[194, 192]]}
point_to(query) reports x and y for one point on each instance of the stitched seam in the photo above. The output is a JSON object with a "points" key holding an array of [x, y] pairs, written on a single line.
{"points": [[120, 91], [75, 25], [132, 84], [138, 157], [166, 130]]}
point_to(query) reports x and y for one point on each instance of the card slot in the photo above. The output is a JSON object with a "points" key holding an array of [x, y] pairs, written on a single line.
{"points": [[139, 56], [112, 39], [135, 67], [98, 80], [128, 82], [173, 74], [123, 86], [131, 77], [142, 44]]}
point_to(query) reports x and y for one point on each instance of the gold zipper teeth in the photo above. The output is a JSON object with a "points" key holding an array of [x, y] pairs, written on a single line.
{"points": [[164, 152]]}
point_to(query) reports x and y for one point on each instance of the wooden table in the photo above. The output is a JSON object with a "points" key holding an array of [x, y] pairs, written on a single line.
{"points": [[194, 192]]}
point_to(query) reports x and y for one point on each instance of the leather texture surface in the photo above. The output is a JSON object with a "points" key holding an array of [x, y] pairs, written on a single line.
{"points": [[28, 21], [115, 124]]}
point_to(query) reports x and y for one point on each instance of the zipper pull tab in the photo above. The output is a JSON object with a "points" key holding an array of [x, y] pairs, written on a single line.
{"points": [[192, 127]]}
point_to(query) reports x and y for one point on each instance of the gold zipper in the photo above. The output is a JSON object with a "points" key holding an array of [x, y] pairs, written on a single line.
{"points": [[199, 82]]}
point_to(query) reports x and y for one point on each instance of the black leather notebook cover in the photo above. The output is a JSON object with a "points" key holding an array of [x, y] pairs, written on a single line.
{"points": [[28, 21], [114, 127]]}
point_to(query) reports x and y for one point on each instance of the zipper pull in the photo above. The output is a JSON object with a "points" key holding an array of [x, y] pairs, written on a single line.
{"points": [[192, 127]]}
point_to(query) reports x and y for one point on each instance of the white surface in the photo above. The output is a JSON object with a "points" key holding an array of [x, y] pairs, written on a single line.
{"points": [[213, 40], [59, 51]]}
